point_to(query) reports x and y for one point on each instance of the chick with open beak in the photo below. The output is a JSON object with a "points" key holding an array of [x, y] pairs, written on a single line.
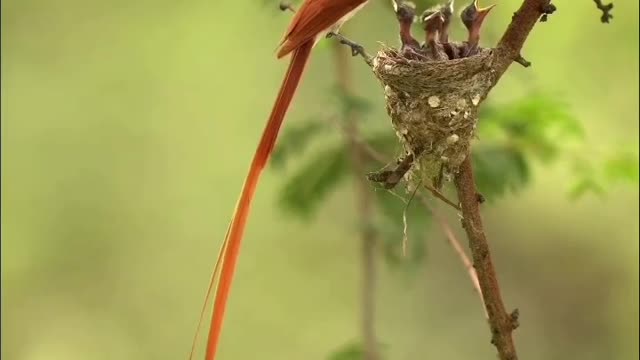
{"points": [[406, 14], [432, 22], [473, 17]]}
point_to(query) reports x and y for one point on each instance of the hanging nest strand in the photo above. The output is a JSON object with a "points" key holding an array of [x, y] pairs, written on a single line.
{"points": [[433, 106]]}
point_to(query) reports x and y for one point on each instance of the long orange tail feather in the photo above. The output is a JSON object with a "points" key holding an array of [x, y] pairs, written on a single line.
{"points": [[228, 256]]}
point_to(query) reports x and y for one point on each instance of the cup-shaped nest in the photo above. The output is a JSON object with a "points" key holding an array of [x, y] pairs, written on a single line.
{"points": [[433, 105]]}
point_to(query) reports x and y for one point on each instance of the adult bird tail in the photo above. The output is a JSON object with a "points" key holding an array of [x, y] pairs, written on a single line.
{"points": [[228, 256]]}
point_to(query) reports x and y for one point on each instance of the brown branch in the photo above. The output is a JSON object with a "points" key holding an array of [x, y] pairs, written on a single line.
{"points": [[390, 178], [365, 210], [501, 323], [522, 61], [522, 22], [441, 196], [507, 51], [606, 11]]}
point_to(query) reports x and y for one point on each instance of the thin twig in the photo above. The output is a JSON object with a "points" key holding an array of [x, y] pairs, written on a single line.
{"points": [[606, 11], [457, 247], [405, 236], [375, 155], [522, 61], [390, 178], [441, 196], [356, 49]]}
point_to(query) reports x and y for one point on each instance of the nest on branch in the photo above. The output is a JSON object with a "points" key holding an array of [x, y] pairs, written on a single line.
{"points": [[434, 105]]}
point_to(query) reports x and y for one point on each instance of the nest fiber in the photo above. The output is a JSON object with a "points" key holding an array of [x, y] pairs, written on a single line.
{"points": [[433, 105]]}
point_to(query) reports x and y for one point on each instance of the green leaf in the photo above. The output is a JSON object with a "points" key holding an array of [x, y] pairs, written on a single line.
{"points": [[498, 169], [622, 167], [349, 103], [597, 178], [295, 139], [538, 124], [307, 188], [584, 186], [353, 351], [304, 191]]}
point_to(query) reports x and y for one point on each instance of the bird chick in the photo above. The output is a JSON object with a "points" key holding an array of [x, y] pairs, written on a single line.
{"points": [[405, 14], [473, 17], [449, 48], [447, 14], [432, 22]]}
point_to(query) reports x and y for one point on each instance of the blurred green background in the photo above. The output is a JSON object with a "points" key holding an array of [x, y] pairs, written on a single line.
{"points": [[127, 128]]}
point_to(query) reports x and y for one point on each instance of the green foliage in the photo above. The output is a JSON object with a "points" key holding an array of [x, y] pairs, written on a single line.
{"points": [[323, 172], [348, 103], [304, 191], [296, 138], [539, 125], [534, 127], [352, 351], [499, 168], [597, 177], [584, 185], [622, 166]]}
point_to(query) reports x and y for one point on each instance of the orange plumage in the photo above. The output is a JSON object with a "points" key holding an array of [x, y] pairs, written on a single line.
{"points": [[314, 20]]}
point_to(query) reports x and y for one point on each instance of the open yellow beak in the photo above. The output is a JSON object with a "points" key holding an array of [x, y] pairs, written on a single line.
{"points": [[483, 12]]}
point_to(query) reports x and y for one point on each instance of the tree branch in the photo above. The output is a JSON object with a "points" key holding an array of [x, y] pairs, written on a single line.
{"points": [[606, 11], [441, 196], [510, 46], [500, 322], [365, 210]]}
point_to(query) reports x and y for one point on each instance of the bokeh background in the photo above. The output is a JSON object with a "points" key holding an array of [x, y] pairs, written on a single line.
{"points": [[127, 128]]}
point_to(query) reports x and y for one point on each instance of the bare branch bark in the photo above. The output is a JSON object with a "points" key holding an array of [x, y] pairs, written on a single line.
{"points": [[502, 324], [512, 41]]}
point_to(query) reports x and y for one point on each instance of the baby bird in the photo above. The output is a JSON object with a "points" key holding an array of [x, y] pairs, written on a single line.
{"points": [[432, 22], [405, 14], [450, 48], [447, 13], [473, 17]]}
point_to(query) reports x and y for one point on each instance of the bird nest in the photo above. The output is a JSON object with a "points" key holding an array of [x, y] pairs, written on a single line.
{"points": [[433, 106]]}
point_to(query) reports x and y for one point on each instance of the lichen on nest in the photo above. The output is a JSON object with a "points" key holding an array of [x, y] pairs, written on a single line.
{"points": [[433, 105]]}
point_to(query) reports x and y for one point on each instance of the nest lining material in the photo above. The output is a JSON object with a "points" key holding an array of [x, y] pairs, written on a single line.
{"points": [[433, 105]]}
